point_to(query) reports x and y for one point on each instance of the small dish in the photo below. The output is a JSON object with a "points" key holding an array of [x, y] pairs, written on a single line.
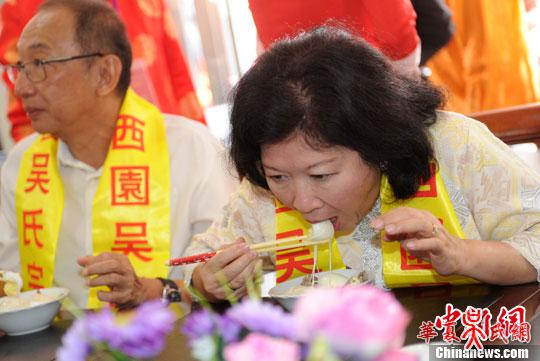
{"points": [[282, 292], [30, 312]]}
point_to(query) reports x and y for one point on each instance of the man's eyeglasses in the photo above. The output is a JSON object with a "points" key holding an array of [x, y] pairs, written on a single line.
{"points": [[35, 69]]}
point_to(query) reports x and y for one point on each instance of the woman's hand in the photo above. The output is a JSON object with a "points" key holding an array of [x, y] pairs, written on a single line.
{"points": [[423, 235], [115, 271], [228, 270]]}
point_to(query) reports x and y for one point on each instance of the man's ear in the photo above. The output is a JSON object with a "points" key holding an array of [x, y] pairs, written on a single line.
{"points": [[108, 70]]}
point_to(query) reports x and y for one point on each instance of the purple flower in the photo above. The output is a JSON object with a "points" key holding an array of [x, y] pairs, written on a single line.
{"points": [[74, 343], [262, 348], [199, 324], [101, 326], [229, 329], [144, 336], [258, 316], [362, 321], [141, 334]]}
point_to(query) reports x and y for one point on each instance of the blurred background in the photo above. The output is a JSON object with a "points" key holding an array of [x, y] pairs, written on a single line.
{"points": [[219, 41]]}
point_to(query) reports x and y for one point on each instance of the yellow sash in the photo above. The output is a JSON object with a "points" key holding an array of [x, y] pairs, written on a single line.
{"points": [[131, 210], [400, 269], [39, 197], [297, 262]]}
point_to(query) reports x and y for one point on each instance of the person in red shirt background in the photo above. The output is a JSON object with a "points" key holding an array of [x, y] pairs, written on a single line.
{"points": [[389, 25], [159, 72]]}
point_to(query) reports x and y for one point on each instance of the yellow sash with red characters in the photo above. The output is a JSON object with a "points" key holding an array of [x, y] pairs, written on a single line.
{"points": [[131, 207], [297, 262], [400, 269]]}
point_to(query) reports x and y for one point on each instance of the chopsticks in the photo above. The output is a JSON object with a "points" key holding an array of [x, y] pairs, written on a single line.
{"points": [[270, 246]]}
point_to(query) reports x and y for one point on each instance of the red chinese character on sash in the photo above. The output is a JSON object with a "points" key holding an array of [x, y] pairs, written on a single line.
{"points": [[448, 322], [36, 274], [474, 332], [427, 331], [428, 189], [31, 226], [410, 262], [129, 133], [129, 185], [292, 262], [38, 174], [131, 238]]}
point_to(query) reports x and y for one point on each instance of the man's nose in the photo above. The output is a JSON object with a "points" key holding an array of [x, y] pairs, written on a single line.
{"points": [[305, 200], [23, 86]]}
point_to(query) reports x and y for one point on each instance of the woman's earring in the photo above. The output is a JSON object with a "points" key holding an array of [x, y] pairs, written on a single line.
{"points": [[383, 166]]}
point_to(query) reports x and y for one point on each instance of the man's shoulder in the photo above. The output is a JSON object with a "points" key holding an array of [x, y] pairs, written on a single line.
{"points": [[18, 150], [184, 132], [10, 168], [177, 125]]}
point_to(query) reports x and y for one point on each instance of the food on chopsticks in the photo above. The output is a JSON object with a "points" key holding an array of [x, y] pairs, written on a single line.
{"points": [[10, 283], [319, 233], [322, 231]]}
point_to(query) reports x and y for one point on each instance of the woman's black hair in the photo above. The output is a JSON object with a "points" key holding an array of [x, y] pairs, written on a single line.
{"points": [[335, 90]]}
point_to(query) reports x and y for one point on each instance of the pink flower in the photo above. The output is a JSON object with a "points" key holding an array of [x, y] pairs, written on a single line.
{"points": [[355, 320], [260, 347], [396, 355]]}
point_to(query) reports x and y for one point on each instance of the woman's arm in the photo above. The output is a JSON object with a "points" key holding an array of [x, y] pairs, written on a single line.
{"points": [[500, 192], [489, 261], [248, 218]]}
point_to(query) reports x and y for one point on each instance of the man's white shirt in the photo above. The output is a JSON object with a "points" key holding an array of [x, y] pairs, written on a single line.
{"points": [[201, 182]]}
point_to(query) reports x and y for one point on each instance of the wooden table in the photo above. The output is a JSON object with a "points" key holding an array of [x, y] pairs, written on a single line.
{"points": [[424, 304]]}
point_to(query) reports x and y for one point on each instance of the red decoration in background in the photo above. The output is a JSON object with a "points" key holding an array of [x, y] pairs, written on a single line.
{"points": [[389, 26], [167, 75]]}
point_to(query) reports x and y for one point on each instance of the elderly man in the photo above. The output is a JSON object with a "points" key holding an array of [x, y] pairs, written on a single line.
{"points": [[110, 184]]}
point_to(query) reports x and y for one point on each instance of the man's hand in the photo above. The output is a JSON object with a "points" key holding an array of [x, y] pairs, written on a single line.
{"points": [[234, 265], [115, 271]]}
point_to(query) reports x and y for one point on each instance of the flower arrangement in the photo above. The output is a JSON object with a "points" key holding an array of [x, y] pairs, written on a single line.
{"points": [[140, 334], [331, 324], [349, 323]]}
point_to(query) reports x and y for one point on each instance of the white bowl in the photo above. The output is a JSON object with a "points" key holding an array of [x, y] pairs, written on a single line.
{"points": [[34, 317], [281, 291]]}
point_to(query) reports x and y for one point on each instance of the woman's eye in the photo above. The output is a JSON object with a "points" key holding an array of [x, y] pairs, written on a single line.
{"points": [[276, 178], [321, 177]]}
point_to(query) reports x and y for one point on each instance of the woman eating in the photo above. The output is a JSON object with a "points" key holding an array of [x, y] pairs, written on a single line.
{"points": [[323, 129]]}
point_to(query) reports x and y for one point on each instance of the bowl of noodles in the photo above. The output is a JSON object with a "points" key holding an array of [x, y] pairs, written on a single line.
{"points": [[287, 292], [30, 311]]}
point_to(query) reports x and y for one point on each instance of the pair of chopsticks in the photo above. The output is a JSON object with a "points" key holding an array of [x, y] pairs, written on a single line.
{"points": [[271, 246]]}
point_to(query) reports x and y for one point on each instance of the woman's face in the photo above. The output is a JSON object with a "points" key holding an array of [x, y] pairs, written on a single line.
{"points": [[332, 183]]}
